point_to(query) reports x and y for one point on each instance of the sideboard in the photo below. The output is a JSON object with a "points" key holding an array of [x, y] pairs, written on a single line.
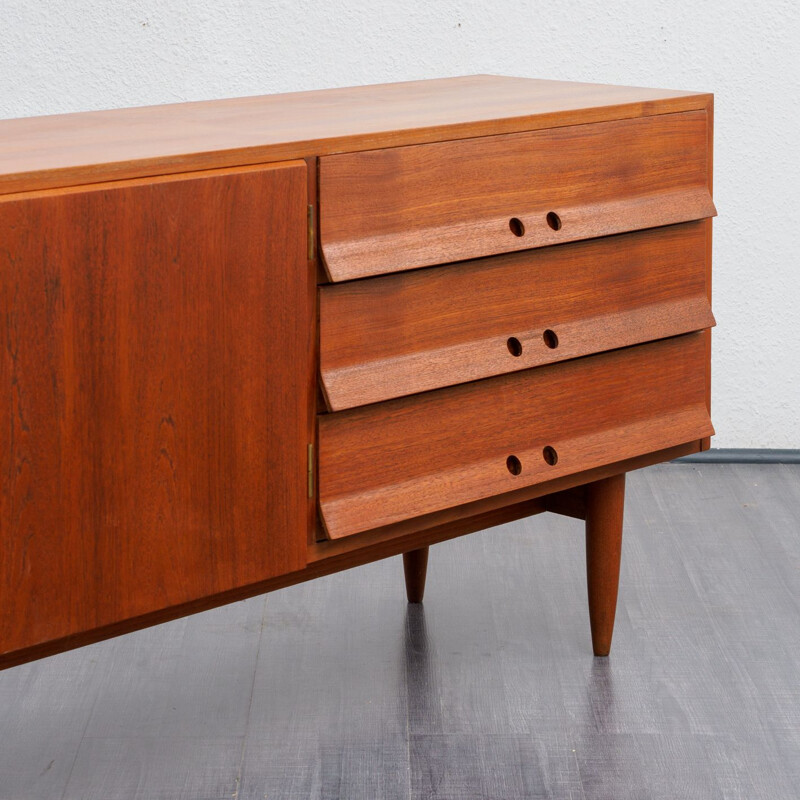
{"points": [[250, 342]]}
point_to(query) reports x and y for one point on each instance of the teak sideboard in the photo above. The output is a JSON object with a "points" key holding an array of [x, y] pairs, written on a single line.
{"points": [[250, 342]]}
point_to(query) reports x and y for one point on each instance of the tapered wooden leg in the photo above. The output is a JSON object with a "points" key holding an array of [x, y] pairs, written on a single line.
{"points": [[605, 501], [415, 565]]}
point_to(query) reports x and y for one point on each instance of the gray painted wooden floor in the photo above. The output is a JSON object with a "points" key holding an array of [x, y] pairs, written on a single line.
{"points": [[337, 689]]}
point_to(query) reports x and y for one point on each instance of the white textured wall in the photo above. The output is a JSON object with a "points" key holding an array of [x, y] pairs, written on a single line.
{"points": [[74, 55]]}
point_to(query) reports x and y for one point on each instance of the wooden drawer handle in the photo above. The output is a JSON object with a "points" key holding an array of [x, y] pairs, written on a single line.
{"points": [[549, 454], [550, 338], [517, 226]]}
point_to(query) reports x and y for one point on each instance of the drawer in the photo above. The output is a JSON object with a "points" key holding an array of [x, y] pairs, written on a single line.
{"points": [[387, 462], [414, 331], [405, 207]]}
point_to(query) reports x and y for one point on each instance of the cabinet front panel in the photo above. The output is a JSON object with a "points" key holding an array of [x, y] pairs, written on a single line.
{"points": [[392, 461], [154, 386], [395, 209], [414, 331]]}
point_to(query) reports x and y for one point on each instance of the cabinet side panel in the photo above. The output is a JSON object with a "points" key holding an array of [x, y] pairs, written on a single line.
{"points": [[153, 382], [705, 444]]}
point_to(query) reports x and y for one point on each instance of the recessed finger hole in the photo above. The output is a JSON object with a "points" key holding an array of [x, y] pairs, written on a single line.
{"points": [[514, 346], [517, 228], [550, 339], [550, 456], [514, 465], [553, 220]]}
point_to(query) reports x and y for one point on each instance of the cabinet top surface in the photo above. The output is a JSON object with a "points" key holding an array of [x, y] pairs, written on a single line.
{"points": [[72, 149]]}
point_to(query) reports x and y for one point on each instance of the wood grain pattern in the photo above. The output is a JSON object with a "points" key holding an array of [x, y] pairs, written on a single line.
{"points": [[391, 461], [154, 371], [605, 506], [424, 329], [389, 210], [70, 149]]}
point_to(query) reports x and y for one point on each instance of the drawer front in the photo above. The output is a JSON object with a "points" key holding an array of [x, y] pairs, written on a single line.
{"points": [[414, 331], [396, 209], [392, 461]]}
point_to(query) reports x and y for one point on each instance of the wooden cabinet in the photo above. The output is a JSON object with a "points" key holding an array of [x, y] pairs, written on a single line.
{"points": [[246, 343]]}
